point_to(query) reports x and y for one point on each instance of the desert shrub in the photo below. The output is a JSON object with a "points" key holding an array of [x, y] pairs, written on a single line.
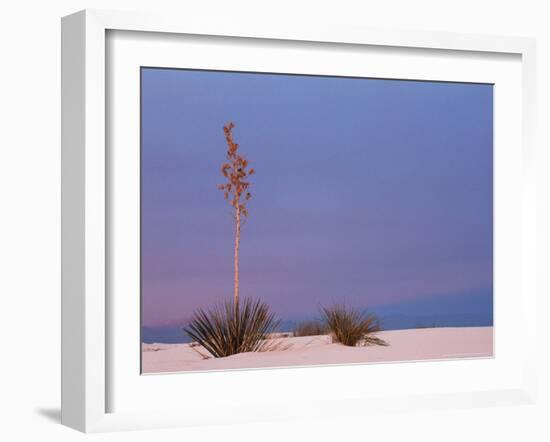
{"points": [[231, 328], [310, 328], [351, 327]]}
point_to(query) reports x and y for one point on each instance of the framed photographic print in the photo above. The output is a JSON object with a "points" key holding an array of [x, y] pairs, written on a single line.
{"points": [[254, 217], [376, 193]]}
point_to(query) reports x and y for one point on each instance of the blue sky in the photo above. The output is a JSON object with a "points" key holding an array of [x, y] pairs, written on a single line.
{"points": [[367, 191]]}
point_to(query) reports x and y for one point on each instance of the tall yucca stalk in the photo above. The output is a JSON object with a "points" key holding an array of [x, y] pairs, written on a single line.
{"points": [[236, 192]]}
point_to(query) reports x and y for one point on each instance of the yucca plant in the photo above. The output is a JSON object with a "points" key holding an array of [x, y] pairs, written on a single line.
{"points": [[236, 191], [310, 328], [232, 328], [351, 327]]}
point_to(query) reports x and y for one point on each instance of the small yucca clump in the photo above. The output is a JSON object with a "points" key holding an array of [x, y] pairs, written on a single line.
{"points": [[310, 328], [233, 328], [351, 327]]}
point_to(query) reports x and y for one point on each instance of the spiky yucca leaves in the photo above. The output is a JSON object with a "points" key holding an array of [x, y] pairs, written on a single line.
{"points": [[351, 327], [310, 328], [232, 328]]}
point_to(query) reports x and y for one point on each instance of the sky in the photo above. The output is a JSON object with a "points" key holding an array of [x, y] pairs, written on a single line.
{"points": [[367, 192]]}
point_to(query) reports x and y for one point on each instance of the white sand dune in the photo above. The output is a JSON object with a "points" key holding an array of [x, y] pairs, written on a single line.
{"points": [[404, 345]]}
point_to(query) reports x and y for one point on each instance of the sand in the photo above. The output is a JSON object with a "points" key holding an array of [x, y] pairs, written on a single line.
{"points": [[404, 345]]}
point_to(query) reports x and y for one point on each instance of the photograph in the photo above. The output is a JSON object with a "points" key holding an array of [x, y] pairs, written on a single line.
{"points": [[297, 220]]}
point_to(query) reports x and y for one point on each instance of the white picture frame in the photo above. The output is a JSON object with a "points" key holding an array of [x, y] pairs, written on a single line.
{"points": [[86, 203]]}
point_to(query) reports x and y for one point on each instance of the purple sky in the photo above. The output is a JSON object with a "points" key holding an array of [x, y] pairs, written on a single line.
{"points": [[367, 191]]}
